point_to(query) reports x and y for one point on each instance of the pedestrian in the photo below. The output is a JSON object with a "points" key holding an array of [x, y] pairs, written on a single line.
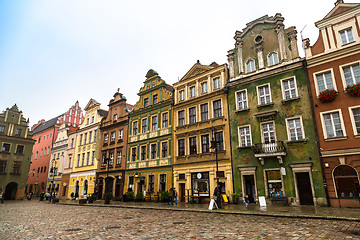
{"points": [[42, 196], [175, 195], [2, 197], [246, 200], [47, 195], [171, 195]]}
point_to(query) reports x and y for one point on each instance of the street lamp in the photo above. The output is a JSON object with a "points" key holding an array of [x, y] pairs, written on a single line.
{"points": [[107, 161], [214, 145], [52, 170]]}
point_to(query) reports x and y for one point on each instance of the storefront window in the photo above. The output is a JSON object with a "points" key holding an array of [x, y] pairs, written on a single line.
{"points": [[274, 183], [200, 184], [346, 181]]}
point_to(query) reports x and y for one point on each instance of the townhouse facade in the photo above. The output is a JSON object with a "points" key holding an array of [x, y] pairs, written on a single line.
{"points": [[274, 145], [114, 138], [87, 149], [334, 78], [201, 116], [149, 166], [16, 148]]}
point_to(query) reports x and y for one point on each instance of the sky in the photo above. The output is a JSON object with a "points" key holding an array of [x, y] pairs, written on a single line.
{"points": [[54, 53]]}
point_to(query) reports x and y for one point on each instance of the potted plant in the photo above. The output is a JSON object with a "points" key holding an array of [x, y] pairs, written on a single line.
{"points": [[130, 196], [235, 198], [165, 196], [327, 95], [139, 197], [353, 90]]}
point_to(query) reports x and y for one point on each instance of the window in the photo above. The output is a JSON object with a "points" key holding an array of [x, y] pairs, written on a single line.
{"points": [[95, 133], [146, 102], [205, 143], [268, 132], [18, 132], [264, 96], [144, 125], [111, 156], [217, 108], [165, 121], [87, 121], [346, 36], [192, 142], [219, 140], [90, 136], [244, 136], [324, 81], [2, 166], [346, 182], [295, 129], [2, 129], [80, 141], [78, 161], [36, 155], [85, 138], [151, 183], [355, 112], [115, 117], [118, 157], [106, 138], [289, 88], [242, 100], [192, 91], [69, 165], [204, 87], [192, 115], [133, 154], [164, 149], [182, 176], [181, 117], [131, 183], [87, 158], [143, 153], [204, 108], [92, 157], [274, 183], [19, 149], [72, 142], [250, 66], [6, 147], [16, 167], [352, 74], [181, 147], [121, 133], [155, 99], [333, 125], [135, 128], [154, 123], [112, 138], [181, 95], [39, 139], [153, 151], [162, 186], [41, 152], [83, 159], [216, 82], [273, 59], [92, 119]]}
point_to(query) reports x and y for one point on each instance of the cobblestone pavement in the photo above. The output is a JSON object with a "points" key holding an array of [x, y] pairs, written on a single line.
{"points": [[41, 220]]}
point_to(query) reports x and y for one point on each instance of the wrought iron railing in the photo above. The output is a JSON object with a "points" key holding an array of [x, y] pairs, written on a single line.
{"points": [[274, 147]]}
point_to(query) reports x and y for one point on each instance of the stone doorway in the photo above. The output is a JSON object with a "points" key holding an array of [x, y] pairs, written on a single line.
{"points": [[10, 191]]}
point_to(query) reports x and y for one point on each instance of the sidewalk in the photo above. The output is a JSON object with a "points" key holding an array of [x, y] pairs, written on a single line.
{"points": [[349, 214]]}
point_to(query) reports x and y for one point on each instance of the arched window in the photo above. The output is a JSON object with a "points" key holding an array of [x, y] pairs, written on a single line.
{"points": [[273, 59], [250, 66], [346, 181], [85, 187]]}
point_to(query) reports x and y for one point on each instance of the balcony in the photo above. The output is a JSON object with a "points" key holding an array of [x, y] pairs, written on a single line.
{"points": [[274, 149]]}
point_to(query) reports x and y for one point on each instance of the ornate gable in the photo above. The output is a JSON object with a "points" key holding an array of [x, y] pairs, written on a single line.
{"points": [[195, 70], [340, 7], [91, 104]]}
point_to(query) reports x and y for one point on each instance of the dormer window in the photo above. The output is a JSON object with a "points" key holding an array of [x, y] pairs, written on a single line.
{"points": [[346, 36], [181, 95], [146, 102], [216, 83], [115, 117], [250, 66], [273, 59], [155, 99]]}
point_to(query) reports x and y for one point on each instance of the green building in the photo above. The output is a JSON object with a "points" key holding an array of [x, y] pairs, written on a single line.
{"points": [[15, 156], [148, 167], [274, 142]]}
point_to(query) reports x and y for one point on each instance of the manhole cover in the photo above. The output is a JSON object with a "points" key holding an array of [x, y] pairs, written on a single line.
{"points": [[73, 229], [178, 222]]}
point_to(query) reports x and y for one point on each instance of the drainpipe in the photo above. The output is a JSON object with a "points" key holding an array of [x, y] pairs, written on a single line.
{"points": [[304, 63]]}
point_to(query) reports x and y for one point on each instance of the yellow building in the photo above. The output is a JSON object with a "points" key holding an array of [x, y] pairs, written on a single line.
{"points": [[87, 149], [148, 167], [201, 116]]}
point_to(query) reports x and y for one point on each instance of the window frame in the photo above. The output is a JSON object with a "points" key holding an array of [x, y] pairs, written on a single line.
{"points": [[283, 90], [259, 97], [153, 157], [221, 108], [237, 99], [325, 135], [341, 69], [323, 72], [346, 34], [165, 120], [192, 91], [192, 115], [154, 124], [144, 128], [205, 145], [135, 128], [118, 157], [133, 154], [204, 89], [143, 154], [352, 118], [262, 132], [181, 148], [155, 99], [162, 149], [288, 128], [216, 80], [146, 102], [269, 57], [205, 112], [181, 95], [246, 136], [193, 145], [182, 118], [247, 66]]}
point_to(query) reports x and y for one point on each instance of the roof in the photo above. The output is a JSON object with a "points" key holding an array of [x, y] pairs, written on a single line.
{"points": [[129, 107], [103, 113], [46, 125]]}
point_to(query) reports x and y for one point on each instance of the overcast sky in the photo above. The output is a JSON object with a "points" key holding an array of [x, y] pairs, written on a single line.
{"points": [[53, 53]]}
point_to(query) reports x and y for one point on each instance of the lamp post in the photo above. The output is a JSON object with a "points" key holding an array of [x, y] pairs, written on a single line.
{"points": [[52, 170], [214, 144]]}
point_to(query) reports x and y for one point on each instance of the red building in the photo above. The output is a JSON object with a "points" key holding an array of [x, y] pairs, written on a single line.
{"points": [[334, 77], [45, 133]]}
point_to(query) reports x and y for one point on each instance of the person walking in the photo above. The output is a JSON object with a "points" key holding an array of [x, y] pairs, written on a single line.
{"points": [[175, 195], [2, 197], [171, 195], [246, 200]]}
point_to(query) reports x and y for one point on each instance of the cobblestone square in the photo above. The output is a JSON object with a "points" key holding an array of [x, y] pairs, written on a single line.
{"points": [[41, 220]]}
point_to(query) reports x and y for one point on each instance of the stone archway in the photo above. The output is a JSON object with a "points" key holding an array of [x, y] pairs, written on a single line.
{"points": [[10, 191]]}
